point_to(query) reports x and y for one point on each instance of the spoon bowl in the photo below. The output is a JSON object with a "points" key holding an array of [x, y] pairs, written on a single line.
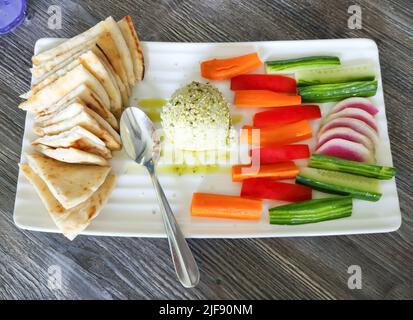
{"points": [[139, 136]]}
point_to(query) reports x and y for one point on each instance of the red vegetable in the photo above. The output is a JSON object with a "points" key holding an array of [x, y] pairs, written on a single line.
{"points": [[346, 134], [284, 153], [356, 102], [354, 113], [284, 115], [272, 82], [275, 190], [347, 150]]}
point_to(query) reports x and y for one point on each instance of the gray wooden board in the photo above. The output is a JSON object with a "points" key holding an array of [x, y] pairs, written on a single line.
{"points": [[126, 268]]}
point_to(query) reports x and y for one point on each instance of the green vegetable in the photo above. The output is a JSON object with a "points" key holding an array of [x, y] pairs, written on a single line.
{"points": [[336, 164], [340, 183], [279, 66], [311, 211], [364, 72], [337, 91]]}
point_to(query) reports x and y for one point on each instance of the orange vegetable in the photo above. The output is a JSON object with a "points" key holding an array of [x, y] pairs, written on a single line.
{"points": [[224, 206], [276, 171], [280, 135], [264, 98], [221, 69]]}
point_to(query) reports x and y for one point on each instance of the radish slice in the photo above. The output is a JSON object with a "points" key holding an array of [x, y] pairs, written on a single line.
{"points": [[348, 150], [346, 134], [353, 113], [355, 124], [356, 102]]}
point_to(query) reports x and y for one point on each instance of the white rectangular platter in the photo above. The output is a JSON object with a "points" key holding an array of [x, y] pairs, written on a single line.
{"points": [[133, 210]]}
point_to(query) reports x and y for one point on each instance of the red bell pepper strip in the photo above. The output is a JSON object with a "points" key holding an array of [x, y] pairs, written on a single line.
{"points": [[284, 153], [284, 115], [274, 190], [271, 82]]}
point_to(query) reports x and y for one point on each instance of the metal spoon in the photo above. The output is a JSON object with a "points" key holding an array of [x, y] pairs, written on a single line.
{"points": [[142, 144]]}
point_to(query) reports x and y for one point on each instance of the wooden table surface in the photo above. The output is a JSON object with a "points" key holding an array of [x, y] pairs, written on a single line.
{"points": [[278, 268]]}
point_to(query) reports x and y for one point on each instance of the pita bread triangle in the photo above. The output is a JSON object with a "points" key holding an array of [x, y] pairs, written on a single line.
{"points": [[70, 184], [134, 46], [44, 69], [52, 77], [96, 67], [124, 90], [82, 94], [79, 115], [94, 64], [66, 111], [71, 109], [110, 40], [78, 138], [41, 72], [72, 155], [71, 221], [61, 87]]}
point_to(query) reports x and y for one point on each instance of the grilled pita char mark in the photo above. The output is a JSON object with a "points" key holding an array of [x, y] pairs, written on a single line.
{"points": [[70, 221], [92, 62], [84, 117], [72, 155], [110, 40], [124, 90], [129, 33], [61, 87], [78, 138], [71, 184], [106, 44], [122, 47]]}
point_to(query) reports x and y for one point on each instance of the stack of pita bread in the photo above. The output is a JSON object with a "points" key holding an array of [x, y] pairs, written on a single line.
{"points": [[81, 88]]}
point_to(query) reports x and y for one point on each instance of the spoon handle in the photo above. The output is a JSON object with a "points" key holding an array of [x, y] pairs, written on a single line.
{"points": [[184, 262]]}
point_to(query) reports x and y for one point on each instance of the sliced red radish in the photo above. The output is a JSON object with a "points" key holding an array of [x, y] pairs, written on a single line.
{"points": [[354, 113], [356, 102], [346, 134], [355, 124], [348, 150]]}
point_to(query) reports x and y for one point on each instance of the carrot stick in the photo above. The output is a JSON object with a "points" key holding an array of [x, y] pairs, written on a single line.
{"points": [[280, 135], [264, 98], [221, 69], [224, 206], [276, 171]]}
